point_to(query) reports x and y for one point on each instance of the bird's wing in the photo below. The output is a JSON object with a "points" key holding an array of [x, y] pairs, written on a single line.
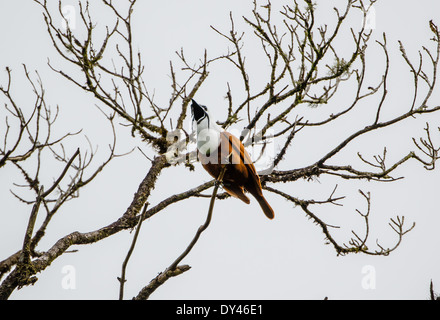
{"points": [[239, 149]]}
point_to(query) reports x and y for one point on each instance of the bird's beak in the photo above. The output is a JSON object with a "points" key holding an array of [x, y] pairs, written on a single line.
{"points": [[197, 111]]}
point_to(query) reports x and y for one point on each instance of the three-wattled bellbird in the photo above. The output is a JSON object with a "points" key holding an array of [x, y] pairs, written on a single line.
{"points": [[217, 147]]}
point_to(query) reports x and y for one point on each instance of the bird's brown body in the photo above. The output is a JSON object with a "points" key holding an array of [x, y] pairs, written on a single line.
{"points": [[240, 174]]}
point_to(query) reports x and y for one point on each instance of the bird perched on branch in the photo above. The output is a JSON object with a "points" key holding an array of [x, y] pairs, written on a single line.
{"points": [[216, 148]]}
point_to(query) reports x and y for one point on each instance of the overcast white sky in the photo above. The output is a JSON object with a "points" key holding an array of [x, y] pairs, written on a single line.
{"points": [[242, 255]]}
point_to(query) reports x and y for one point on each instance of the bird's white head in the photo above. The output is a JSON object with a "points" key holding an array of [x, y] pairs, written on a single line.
{"points": [[208, 132]]}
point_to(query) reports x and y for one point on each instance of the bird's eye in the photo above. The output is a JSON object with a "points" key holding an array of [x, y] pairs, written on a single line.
{"points": [[204, 107]]}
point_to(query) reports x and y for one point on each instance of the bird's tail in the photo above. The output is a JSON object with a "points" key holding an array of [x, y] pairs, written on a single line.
{"points": [[267, 209]]}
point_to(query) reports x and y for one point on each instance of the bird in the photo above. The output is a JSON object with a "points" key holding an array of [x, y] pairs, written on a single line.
{"points": [[217, 147]]}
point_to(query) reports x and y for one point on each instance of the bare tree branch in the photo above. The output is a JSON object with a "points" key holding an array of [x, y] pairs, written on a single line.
{"points": [[305, 69]]}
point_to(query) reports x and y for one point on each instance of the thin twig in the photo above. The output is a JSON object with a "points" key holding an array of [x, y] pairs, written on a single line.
{"points": [[130, 251], [205, 225], [160, 279], [26, 251], [174, 269]]}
